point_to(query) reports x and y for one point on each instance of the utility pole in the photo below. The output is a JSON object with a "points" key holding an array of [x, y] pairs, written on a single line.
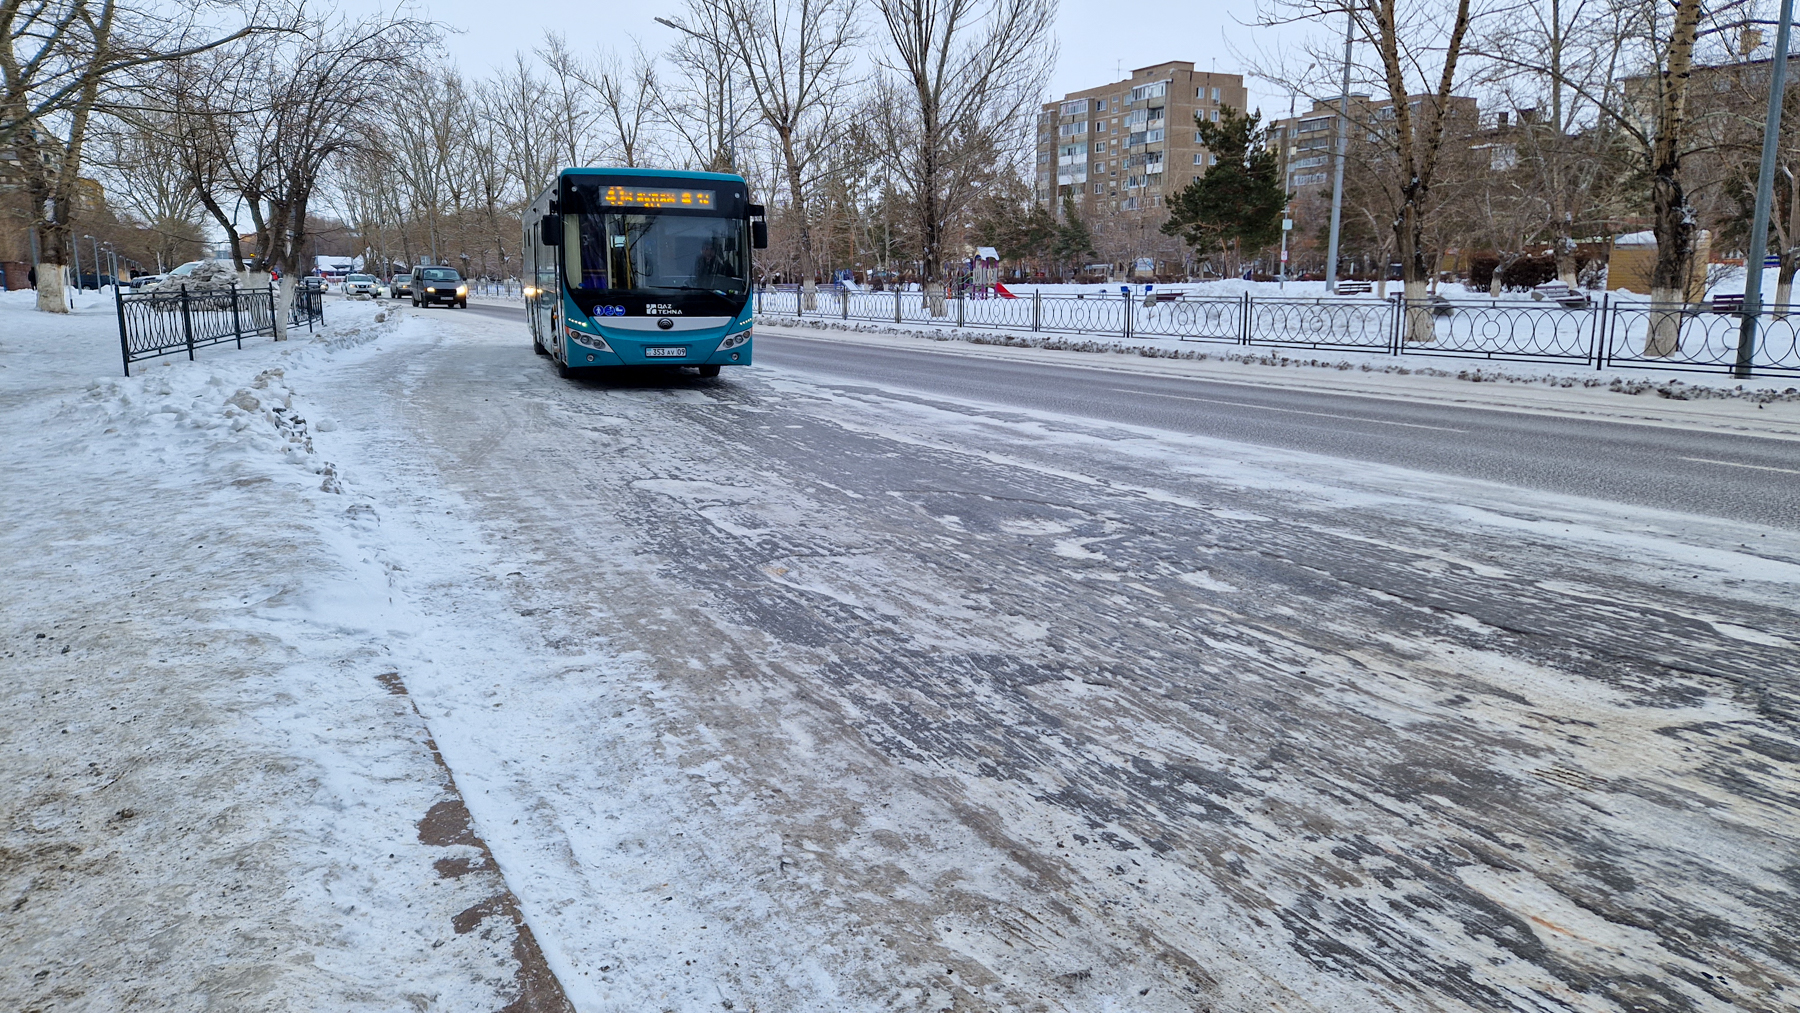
{"points": [[1765, 194], [1287, 226], [1337, 169]]}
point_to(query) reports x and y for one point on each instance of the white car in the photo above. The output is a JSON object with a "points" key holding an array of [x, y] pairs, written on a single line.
{"points": [[361, 286]]}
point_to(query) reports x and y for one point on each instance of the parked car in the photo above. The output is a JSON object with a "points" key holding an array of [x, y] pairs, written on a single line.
{"points": [[144, 279], [439, 284], [402, 285], [360, 286]]}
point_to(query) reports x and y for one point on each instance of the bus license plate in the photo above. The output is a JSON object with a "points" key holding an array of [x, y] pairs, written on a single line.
{"points": [[667, 352]]}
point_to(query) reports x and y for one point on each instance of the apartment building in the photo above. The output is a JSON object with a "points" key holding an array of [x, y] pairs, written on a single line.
{"points": [[1121, 149], [1306, 142]]}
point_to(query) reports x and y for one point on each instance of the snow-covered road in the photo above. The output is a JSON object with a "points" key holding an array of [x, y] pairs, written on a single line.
{"points": [[784, 692]]}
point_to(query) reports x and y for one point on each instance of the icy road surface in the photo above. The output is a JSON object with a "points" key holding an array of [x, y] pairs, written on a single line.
{"points": [[786, 691]]}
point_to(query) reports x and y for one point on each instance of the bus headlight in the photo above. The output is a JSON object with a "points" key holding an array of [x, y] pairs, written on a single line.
{"points": [[734, 340], [587, 340]]}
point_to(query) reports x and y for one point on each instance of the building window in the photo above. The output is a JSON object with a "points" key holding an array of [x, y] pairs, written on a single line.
{"points": [[1152, 136], [1148, 91], [1215, 94], [1310, 179], [1099, 146], [1198, 139], [1200, 158], [1075, 108], [1215, 112], [1071, 129]]}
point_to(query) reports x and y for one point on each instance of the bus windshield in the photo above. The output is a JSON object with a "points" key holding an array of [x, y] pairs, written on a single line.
{"points": [[686, 263]]}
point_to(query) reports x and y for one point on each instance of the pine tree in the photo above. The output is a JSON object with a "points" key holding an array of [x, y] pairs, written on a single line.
{"points": [[1073, 240], [1237, 204]]}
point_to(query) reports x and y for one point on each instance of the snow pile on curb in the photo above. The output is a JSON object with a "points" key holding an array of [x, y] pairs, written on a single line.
{"points": [[1669, 387], [260, 407]]}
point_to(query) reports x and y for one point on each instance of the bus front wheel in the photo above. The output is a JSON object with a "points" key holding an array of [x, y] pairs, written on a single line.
{"points": [[709, 370]]}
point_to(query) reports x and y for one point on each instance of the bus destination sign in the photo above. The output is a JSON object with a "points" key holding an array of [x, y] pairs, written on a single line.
{"points": [[651, 197]]}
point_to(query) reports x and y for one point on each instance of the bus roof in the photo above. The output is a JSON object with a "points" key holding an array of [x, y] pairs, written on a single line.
{"points": [[722, 177]]}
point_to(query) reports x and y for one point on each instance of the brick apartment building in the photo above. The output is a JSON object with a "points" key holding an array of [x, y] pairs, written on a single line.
{"points": [[1120, 150]]}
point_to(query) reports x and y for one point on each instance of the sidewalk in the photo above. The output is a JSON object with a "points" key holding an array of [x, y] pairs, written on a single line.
{"points": [[1641, 398], [213, 796]]}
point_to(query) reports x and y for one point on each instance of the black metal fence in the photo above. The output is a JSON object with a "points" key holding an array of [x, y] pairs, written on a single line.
{"points": [[166, 323], [1599, 335]]}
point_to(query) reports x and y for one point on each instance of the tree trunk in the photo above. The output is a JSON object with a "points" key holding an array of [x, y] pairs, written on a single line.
{"points": [[1784, 282], [1674, 222], [1565, 262], [284, 304], [1408, 236], [52, 290]]}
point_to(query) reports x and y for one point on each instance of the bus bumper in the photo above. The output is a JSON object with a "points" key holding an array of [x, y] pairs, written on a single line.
{"points": [[630, 350]]}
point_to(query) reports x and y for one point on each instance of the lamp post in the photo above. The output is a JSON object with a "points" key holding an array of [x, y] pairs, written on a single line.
{"points": [[727, 103], [1765, 193], [1337, 167]]}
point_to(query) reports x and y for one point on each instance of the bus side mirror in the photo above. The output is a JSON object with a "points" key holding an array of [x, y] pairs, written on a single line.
{"points": [[550, 230], [759, 226]]}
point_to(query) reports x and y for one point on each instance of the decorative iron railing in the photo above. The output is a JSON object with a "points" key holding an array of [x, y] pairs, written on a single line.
{"points": [[1598, 335], [165, 323]]}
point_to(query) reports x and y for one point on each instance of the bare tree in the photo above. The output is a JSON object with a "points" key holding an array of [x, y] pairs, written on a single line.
{"points": [[573, 107], [55, 57], [144, 169], [1419, 49], [321, 90], [1558, 60], [515, 103], [628, 97], [963, 77], [796, 55]]}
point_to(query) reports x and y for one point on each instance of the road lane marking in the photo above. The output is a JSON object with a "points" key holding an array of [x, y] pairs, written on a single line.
{"points": [[1292, 411], [1734, 464]]}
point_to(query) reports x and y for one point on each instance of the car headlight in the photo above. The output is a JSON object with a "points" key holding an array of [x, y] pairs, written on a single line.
{"points": [[587, 340], [462, 290]]}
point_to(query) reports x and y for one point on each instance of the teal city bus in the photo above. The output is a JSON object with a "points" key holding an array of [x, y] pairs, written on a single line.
{"points": [[642, 267]]}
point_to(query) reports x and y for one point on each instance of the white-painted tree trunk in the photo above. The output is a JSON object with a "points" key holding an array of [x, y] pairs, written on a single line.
{"points": [[1784, 296], [810, 292], [1663, 338], [1419, 329], [52, 288], [934, 295], [284, 304]]}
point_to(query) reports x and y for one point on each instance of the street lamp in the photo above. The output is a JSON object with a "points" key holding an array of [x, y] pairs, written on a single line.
{"points": [[1765, 187], [728, 129], [1337, 168]]}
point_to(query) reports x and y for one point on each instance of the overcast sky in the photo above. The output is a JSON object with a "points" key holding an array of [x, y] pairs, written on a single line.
{"points": [[1096, 39]]}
